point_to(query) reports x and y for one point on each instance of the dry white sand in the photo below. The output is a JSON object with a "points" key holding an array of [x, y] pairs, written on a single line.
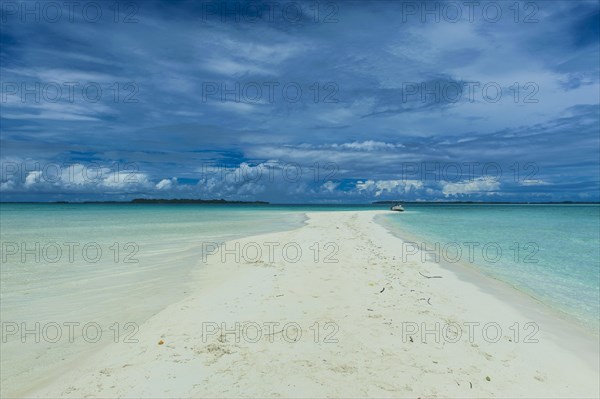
{"points": [[363, 347]]}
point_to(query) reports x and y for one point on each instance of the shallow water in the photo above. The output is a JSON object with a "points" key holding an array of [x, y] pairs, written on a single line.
{"points": [[551, 252], [79, 271]]}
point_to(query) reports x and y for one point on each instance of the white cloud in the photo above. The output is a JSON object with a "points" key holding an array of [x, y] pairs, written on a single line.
{"points": [[72, 178], [32, 178], [369, 145], [534, 182], [7, 185], [480, 185], [244, 179], [166, 184], [234, 106], [330, 186], [230, 67], [378, 187], [261, 53]]}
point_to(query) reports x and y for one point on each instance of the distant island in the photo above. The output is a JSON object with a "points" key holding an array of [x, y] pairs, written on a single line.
{"points": [[193, 201], [157, 201]]}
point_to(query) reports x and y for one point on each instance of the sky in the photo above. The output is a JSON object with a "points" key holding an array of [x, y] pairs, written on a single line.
{"points": [[300, 102]]}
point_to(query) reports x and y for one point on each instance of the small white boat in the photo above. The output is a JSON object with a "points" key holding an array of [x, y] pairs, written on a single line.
{"points": [[397, 207]]}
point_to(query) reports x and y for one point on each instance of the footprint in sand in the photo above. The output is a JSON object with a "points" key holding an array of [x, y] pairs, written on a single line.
{"points": [[344, 369], [70, 390], [215, 350], [105, 372], [387, 387]]}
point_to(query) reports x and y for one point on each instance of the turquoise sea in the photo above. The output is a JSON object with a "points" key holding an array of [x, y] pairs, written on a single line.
{"points": [[551, 252], [110, 265], [137, 255]]}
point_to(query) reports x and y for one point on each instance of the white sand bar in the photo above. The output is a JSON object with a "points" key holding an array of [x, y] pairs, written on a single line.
{"points": [[363, 347]]}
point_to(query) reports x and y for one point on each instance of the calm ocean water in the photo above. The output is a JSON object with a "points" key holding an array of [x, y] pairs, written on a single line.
{"points": [[551, 252], [133, 255], [104, 264]]}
